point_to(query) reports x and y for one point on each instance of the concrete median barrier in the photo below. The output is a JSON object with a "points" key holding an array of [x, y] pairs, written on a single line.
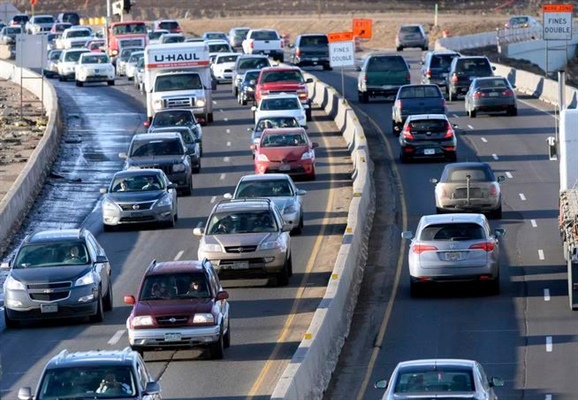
{"points": [[16, 203]]}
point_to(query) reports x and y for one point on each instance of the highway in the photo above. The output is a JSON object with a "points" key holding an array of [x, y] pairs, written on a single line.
{"points": [[527, 335], [267, 322]]}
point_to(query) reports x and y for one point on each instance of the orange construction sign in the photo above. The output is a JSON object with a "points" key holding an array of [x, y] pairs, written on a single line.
{"points": [[557, 8], [33, 2], [362, 28], [340, 36]]}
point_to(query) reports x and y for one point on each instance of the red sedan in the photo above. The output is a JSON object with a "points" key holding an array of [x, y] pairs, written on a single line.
{"points": [[285, 150]]}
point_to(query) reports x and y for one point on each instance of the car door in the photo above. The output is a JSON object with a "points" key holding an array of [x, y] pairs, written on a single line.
{"points": [[222, 305]]}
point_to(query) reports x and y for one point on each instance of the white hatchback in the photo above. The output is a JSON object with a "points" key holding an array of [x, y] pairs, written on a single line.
{"points": [[277, 105]]}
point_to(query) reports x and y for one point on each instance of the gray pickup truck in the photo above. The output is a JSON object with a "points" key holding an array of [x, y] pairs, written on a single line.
{"points": [[415, 100]]}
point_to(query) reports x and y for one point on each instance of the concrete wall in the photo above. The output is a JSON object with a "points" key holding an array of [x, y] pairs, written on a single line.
{"points": [[20, 197], [559, 52]]}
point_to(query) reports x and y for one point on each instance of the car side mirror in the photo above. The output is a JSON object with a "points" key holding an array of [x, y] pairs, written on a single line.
{"points": [[314, 145], [408, 235], [152, 388], [223, 295], [122, 155], [496, 382], [172, 186], [252, 82], [129, 300], [499, 232], [301, 192], [103, 190], [382, 384], [146, 124], [25, 393], [197, 232], [501, 178], [101, 259], [228, 196], [493, 68], [197, 140], [309, 80], [305, 127], [357, 68], [253, 108], [435, 181]]}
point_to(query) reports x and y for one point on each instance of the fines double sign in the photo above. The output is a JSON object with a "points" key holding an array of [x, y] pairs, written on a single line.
{"points": [[557, 21]]}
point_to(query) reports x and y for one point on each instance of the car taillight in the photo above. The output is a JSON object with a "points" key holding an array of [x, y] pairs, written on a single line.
{"points": [[477, 94], [398, 104], [252, 44], [419, 248], [449, 132], [454, 78], [407, 133], [494, 190], [282, 44], [298, 52], [486, 246], [508, 93], [428, 73], [408, 77], [365, 78]]}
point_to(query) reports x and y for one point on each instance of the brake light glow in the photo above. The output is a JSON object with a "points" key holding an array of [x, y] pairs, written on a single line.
{"points": [[477, 94], [407, 133], [494, 190], [252, 44], [408, 77], [428, 73], [454, 78], [449, 132], [419, 248], [486, 246], [508, 93], [298, 52]]}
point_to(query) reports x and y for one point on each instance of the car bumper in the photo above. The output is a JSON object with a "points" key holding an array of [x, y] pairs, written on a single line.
{"points": [[311, 61], [249, 265], [293, 169], [429, 150], [386, 90], [493, 104], [412, 43], [96, 78], [189, 337], [117, 217], [473, 205], [226, 77], [455, 274]]}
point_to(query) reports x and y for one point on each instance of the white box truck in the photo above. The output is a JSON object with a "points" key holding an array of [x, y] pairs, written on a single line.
{"points": [[177, 75]]}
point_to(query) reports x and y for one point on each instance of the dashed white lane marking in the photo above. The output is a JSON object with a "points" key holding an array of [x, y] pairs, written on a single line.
{"points": [[221, 110], [541, 254], [495, 156], [455, 115], [199, 224], [471, 127], [213, 199], [226, 159], [116, 337], [548, 397], [222, 177], [484, 140], [179, 255], [549, 343], [546, 294], [228, 144], [509, 175], [214, 102], [225, 119], [534, 223], [522, 197], [228, 130]]}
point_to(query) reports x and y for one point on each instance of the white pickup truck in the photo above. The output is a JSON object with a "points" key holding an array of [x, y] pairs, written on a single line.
{"points": [[264, 41], [39, 24], [75, 37]]}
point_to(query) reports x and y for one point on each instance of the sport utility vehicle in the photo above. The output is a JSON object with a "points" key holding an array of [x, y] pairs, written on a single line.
{"points": [[411, 36], [57, 274], [244, 63], [247, 238], [166, 151], [94, 374], [435, 67], [382, 74], [180, 304], [463, 70], [70, 17], [19, 20], [311, 50]]}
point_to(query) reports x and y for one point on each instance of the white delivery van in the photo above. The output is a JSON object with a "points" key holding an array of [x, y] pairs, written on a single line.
{"points": [[178, 75]]}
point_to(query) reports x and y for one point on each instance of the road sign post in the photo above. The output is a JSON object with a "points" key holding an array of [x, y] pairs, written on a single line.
{"points": [[341, 53], [557, 20]]}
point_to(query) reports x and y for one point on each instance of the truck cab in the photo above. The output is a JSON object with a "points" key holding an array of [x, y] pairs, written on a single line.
{"points": [[126, 34]]}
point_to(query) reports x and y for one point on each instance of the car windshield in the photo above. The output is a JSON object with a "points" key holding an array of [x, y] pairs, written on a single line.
{"points": [[253, 63], [137, 183], [474, 174], [440, 379], [242, 222], [51, 254], [175, 286], [129, 28], [72, 56], [215, 35], [170, 82], [452, 232], [152, 148], [82, 382], [282, 76], [277, 122], [264, 188], [264, 35], [95, 59], [283, 140], [172, 118], [74, 33], [280, 104], [409, 92], [44, 20]]}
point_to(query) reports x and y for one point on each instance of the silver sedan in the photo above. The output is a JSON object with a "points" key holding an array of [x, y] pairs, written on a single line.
{"points": [[439, 379], [454, 248]]}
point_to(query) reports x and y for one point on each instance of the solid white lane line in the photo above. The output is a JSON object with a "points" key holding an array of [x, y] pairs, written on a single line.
{"points": [[116, 337], [228, 130], [534, 223], [522, 197], [179, 255], [509, 175], [546, 294], [228, 144], [214, 102], [495, 156], [548, 343], [213, 199], [471, 127], [226, 159], [222, 177], [484, 140], [199, 224], [541, 254]]}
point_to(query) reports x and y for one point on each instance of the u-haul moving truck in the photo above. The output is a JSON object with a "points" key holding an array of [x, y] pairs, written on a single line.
{"points": [[177, 75]]}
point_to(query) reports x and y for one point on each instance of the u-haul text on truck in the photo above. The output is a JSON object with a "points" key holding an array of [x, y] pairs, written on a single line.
{"points": [[177, 75]]}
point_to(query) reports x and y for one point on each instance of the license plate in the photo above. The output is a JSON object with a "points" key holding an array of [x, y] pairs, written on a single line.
{"points": [[97, 71], [444, 75], [135, 214], [240, 265], [452, 256], [429, 152], [494, 94], [172, 337], [284, 167], [48, 308], [314, 59], [266, 52]]}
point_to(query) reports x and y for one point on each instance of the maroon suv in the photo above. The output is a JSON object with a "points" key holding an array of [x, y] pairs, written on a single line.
{"points": [[180, 305]]}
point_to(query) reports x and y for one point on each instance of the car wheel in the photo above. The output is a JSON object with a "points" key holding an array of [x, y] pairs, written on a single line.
{"points": [[414, 289], [108, 301], [308, 114], [79, 83], [440, 210], [299, 229], [197, 169], [290, 268], [327, 67], [48, 74], [108, 228], [451, 95], [283, 275], [473, 113], [139, 350], [452, 157], [243, 101], [493, 286], [513, 111], [110, 83], [129, 78], [234, 90], [399, 48], [394, 128], [227, 337], [99, 316], [189, 190], [217, 349], [425, 48], [497, 213], [403, 158], [365, 97], [210, 117], [10, 323]]}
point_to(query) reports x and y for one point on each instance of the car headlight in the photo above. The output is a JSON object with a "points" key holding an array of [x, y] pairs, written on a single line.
{"points": [[293, 208], [269, 245], [308, 155], [142, 320], [212, 248], [164, 201], [108, 205], [13, 284], [200, 102], [250, 89], [204, 318], [262, 157], [178, 167], [87, 279]]}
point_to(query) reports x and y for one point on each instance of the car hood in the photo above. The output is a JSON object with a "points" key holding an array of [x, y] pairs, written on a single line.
{"points": [[284, 153], [158, 160], [241, 239], [172, 307], [283, 202], [134, 197], [57, 273]]}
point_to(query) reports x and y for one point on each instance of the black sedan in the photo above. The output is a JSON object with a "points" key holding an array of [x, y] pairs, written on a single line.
{"points": [[428, 136], [490, 94], [246, 90]]}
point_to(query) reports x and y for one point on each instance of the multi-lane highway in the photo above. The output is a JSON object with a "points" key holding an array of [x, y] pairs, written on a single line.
{"points": [[267, 322]]}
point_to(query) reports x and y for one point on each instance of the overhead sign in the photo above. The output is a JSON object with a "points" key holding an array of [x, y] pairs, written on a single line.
{"points": [[342, 54], [557, 21], [340, 36], [362, 28]]}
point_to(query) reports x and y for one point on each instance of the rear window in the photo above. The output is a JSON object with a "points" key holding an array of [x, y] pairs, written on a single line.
{"points": [[282, 76], [492, 83], [428, 125], [479, 174], [227, 59], [21, 18], [518, 20], [473, 65], [241, 33], [386, 64], [253, 63], [168, 25], [264, 35], [320, 40], [73, 18], [419, 91], [442, 60], [44, 20], [409, 29], [452, 231]]}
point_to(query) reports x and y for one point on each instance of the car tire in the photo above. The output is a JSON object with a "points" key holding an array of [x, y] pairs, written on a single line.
{"points": [[299, 229], [308, 114], [425, 48], [283, 275], [79, 83], [129, 78], [217, 349], [48, 74], [290, 268], [210, 117], [414, 289], [197, 169], [109, 299], [108, 228], [440, 210], [110, 83], [497, 213], [234, 90], [327, 67], [394, 126], [453, 157], [139, 350], [399, 48], [10, 323], [227, 337], [451, 95], [403, 158], [189, 190], [473, 113], [493, 287], [243, 100], [513, 111], [99, 316]]}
